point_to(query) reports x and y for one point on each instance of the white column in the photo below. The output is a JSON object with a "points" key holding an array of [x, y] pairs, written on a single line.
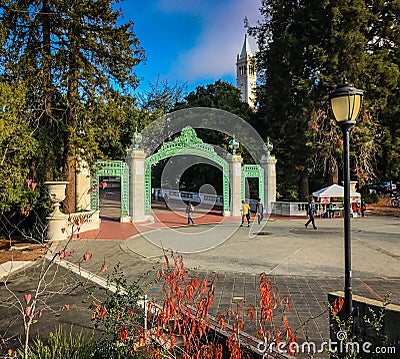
{"points": [[135, 160], [269, 165], [235, 182]]}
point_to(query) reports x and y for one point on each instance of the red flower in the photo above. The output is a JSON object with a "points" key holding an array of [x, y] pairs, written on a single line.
{"points": [[123, 334]]}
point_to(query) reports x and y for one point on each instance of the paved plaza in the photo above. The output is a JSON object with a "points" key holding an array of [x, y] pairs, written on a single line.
{"points": [[304, 264]]}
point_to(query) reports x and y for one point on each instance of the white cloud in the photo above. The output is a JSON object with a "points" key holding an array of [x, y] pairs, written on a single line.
{"points": [[220, 41]]}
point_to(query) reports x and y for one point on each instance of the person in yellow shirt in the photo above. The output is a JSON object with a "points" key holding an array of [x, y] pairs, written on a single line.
{"points": [[245, 213]]}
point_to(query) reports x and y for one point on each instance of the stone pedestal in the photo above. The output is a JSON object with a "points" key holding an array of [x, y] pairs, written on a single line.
{"points": [[269, 165], [235, 181], [135, 160], [57, 229], [82, 186], [58, 221]]}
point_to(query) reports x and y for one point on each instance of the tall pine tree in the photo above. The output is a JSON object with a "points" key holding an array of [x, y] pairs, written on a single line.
{"points": [[306, 49], [77, 60]]}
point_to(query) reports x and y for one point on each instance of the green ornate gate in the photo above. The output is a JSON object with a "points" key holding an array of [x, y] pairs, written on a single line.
{"points": [[111, 169], [186, 144], [253, 171]]}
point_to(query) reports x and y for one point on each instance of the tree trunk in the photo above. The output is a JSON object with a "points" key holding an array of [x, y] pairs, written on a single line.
{"points": [[332, 173], [304, 191], [70, 192], [47, 82], [73, 99]]}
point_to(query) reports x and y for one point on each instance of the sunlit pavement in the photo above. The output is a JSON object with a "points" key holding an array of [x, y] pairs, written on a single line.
{"points": [[304, 264]]}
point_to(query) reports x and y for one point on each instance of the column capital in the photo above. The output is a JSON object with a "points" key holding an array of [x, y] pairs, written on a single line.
{"points": [[234, 158], [135, 154], [268, 160]]}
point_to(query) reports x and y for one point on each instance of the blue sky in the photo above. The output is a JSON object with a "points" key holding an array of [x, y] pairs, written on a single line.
{"points": [[190, 41]]}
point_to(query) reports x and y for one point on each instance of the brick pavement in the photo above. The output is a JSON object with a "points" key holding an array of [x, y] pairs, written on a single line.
{"points": [[308, 293], [308, 315]]}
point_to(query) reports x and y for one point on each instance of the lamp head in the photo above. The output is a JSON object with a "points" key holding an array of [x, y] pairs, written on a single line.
{"points": [[346, 103]]}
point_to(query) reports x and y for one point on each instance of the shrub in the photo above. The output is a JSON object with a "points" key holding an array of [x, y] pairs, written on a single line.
{"points": [[61, 346], [120, 318], [370, 198]]}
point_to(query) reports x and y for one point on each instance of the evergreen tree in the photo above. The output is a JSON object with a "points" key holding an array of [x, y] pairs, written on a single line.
{"points": [[17, 148], [306, 49], [78, 61]]}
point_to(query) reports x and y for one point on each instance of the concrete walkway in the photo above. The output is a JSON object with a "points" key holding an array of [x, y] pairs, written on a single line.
{"points": [[304, 264]]}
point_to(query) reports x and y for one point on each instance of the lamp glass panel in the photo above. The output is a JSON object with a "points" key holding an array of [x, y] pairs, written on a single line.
{"points": [[355, 104], [340, 108]]}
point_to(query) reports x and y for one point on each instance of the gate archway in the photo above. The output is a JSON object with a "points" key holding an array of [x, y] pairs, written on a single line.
{"points": [[113, 168], [186, 144], [253, 171]]}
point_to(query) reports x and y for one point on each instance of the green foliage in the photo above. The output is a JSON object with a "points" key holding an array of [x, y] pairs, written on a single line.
{"points": [[223, 96], [62, 346], [356, 331], [77, 59], [17, 148], [370, 198], [306, 48], [120, 318]]}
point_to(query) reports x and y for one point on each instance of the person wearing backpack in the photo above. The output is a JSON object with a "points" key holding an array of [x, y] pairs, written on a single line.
{"points": [[245, 213], [311, 212]]}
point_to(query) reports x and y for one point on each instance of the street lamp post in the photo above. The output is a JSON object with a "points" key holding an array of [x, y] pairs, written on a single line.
{"points": [[346, 105]]}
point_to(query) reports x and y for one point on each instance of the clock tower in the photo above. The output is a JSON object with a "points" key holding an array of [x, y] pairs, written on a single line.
{"points": [[246, 74]]}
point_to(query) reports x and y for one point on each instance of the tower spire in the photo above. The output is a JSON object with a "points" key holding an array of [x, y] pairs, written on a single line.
{"points": [[246, 49], [246, 73]]}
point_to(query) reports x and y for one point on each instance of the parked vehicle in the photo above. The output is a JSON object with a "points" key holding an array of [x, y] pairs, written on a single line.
{"points": [[381, 187]]}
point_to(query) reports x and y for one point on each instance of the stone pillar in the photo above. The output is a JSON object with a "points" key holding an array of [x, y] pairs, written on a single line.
{"points": [[82, 186], [135, 160], [58, 221], [235, 182], [353, 185], [269, 165]]}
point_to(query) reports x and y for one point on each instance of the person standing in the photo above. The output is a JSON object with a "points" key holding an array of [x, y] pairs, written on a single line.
{"points": [[166, 200], [363, 207], [259, 211], [311, 212], [189, 211], [245, 213]]}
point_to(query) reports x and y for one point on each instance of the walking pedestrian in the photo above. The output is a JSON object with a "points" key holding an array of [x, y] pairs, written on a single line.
{"points": [[363, 207], [259, 211], [245, 213], [166, 200], [189, 211], [311, 212]]}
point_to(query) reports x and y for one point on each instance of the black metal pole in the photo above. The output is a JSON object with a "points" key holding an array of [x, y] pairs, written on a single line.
{"points": [[348, 295]]}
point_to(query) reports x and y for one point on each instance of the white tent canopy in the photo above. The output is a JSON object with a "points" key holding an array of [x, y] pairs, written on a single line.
{"points": [[334, 191]]}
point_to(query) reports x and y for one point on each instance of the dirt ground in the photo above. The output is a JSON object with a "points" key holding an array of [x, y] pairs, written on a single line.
{"points": [[17, 250], [382, 208]]}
